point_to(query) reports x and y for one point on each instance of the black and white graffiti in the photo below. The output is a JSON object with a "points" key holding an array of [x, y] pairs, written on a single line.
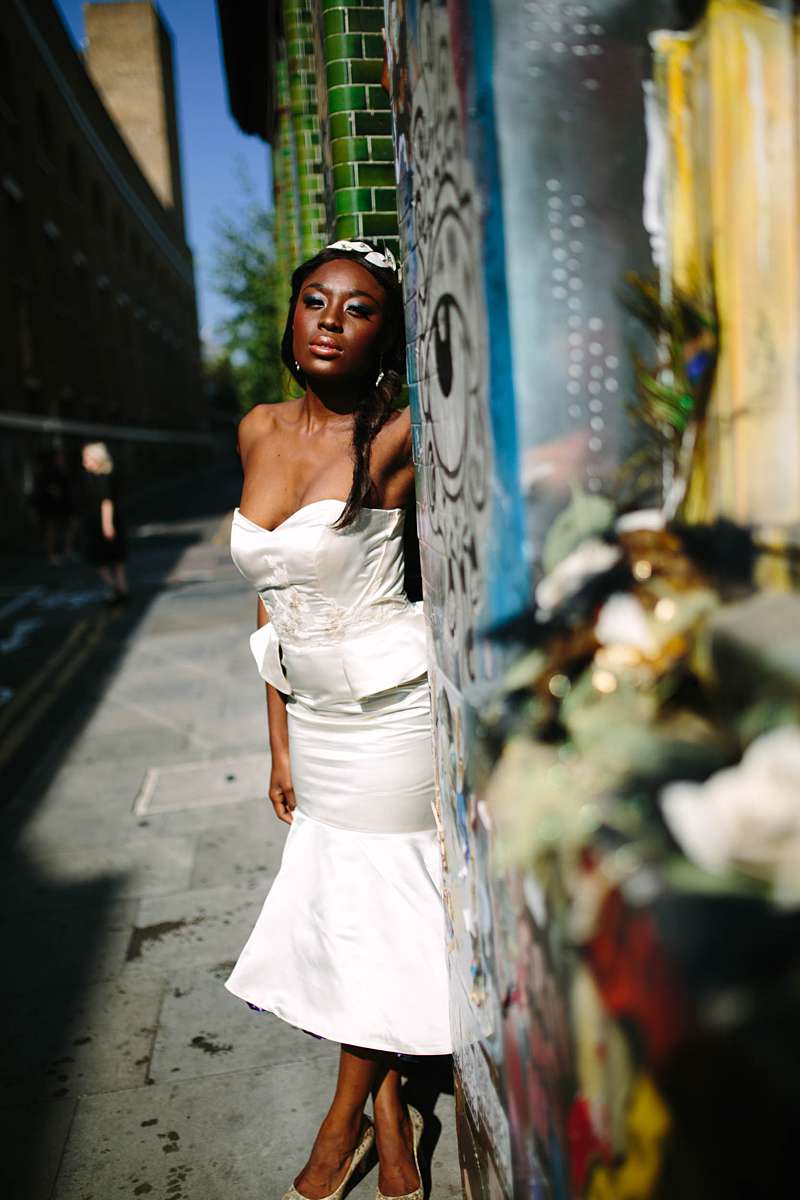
{"points": [[450, 348]]}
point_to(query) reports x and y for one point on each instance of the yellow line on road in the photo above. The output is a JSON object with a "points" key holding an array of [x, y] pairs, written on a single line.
{"points": [[47, 684]]}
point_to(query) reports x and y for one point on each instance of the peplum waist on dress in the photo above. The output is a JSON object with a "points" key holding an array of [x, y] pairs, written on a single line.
{"points": [[372, 652], [341, 628]]}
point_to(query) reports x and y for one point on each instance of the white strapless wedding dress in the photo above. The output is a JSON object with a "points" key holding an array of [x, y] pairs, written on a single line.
{"points": [[350, 943]]}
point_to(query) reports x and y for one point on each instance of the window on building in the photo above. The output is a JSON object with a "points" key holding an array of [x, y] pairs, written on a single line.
{"points": [[44, 125], [8, 98], [16, 225], [118, 232], [98, 205], [74, 174], [24, 334]]}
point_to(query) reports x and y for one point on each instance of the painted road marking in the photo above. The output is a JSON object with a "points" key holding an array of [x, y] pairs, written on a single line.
{"points": [[44, 688]]}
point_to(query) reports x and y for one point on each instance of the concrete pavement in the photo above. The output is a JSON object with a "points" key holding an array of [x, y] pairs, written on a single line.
{"points": [[137, 851]]}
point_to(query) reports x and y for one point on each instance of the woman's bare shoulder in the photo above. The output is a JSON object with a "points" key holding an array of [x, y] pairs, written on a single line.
{"points": [[265, 421]]}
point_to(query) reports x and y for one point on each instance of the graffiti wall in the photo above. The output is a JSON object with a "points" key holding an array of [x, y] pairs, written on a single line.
{"points": [[563, 217], [469, 507]]}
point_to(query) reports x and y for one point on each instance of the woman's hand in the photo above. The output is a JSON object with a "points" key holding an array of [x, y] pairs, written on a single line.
{"points": [[281, 792]]}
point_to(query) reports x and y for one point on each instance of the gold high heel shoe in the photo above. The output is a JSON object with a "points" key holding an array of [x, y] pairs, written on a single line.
{"points": [[357, 1164], [417, 1124]]}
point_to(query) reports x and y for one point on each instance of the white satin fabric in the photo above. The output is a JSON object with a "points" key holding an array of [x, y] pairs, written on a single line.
{"points": [[350, 943]]}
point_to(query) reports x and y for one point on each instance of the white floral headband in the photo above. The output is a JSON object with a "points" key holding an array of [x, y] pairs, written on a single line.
{"points": [[378, 259]]}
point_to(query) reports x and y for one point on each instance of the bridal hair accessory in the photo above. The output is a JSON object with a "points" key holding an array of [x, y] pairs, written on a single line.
{"points": [[378, 259]]}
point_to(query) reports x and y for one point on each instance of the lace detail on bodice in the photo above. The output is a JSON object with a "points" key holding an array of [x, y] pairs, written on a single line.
{"points": [[331, 622], [340, 624]]}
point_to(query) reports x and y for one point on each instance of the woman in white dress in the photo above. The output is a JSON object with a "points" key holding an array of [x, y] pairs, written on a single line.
{"points": [[350, 943]]}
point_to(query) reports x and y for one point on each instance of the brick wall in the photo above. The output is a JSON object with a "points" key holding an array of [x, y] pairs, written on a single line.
{"points": [[359, 126], [301, 70]]}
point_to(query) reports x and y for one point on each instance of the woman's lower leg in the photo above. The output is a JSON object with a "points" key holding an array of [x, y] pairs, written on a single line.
{"points": [[397, 1175], [338, 1135], [120, 579]]}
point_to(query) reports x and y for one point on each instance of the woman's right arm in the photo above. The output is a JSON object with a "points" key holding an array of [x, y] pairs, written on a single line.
{"points": [[281, 792]]}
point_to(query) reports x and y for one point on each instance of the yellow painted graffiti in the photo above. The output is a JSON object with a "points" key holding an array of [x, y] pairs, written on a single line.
{"points": [[727, 93], [647, 1126]]}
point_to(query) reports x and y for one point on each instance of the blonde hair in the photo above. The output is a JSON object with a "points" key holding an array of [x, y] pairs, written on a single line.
{"points": [[101, 461]]}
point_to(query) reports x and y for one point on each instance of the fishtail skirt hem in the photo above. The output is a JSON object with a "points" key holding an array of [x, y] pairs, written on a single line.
{"points": [[350, 942]]}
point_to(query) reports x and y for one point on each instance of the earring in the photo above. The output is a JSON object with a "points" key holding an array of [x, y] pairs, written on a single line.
{"points": [[381, 372], [297, 367]]}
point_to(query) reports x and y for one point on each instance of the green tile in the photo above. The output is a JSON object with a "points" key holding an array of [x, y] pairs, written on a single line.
{"points": [[341, 98], [379, 224], [341, 125], [367, 122], [352, 200], [347, 227], [351, 150], [376, 175], [366, 70], [344, 175], [342, 45], [377, 98], [385, 199], [328, 4], [381, 149], [333, 21], [366, 20], [373, 45], [339, 72]]}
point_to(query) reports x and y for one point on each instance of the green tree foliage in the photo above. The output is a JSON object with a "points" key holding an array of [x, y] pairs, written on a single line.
{"points": [[244, 273]]}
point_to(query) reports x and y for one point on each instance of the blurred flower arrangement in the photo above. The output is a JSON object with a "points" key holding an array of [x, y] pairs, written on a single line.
{"points": [[641, 766], [618, 724]]}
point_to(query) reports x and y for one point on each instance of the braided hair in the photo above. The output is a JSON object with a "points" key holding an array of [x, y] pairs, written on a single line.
{"points": [[378, 401]]}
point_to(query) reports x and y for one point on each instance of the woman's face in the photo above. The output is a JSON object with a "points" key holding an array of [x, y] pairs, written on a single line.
{"points": [[339, 322]]}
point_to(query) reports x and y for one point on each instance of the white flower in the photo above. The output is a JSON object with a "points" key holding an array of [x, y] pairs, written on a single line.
{"points": [[651, 520], [592, 557], [747, 816], [623, 622]]}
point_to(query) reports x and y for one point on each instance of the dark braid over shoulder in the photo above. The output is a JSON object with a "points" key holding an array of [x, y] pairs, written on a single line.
{"points": [[379, 402]]}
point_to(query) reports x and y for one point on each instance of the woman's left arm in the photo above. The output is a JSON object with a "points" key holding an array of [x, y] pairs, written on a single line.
{"points": [[107, 518]]}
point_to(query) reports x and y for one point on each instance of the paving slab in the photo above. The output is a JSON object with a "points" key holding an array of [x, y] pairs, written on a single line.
{"points": [[253, 818], [34, 1136], [240, 854], [204, 1030], [200, 926], [137, 868], [56, 944], [201, 784], [137, 745], [88, 787], [104, 1045]]}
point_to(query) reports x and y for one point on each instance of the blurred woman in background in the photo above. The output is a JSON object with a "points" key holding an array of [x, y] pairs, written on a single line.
{"points": [[105, 539]]}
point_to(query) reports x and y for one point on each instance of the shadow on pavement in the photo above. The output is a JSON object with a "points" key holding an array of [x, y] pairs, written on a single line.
{"points": [[56, 934]]}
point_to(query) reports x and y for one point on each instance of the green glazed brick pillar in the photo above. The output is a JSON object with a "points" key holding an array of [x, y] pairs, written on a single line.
{"points": [[359, 123], [298, 25], [284, 177]]}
